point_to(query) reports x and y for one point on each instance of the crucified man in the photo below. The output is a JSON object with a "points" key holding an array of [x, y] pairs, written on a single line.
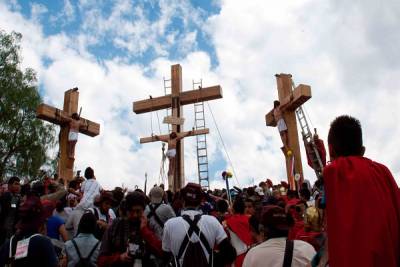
{"points": [[74, 124], [282, 128], [172, 140]]}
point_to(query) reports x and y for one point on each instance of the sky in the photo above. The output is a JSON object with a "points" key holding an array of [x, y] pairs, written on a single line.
{"points": [[118, 52]]}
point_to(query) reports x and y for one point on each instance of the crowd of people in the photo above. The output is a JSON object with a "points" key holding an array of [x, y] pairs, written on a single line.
{"points": [[351, 217]]}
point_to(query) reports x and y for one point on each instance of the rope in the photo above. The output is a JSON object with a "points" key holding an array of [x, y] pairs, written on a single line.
{"points": [[158, 119], [223, 144]]}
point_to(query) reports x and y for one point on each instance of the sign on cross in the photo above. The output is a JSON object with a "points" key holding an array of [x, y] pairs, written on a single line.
{"points": [[70, 126], [175, 101], [290, 100]]}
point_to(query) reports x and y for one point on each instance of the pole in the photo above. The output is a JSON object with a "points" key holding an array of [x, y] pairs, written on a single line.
{"points": [[227, 190], [145, 183]]}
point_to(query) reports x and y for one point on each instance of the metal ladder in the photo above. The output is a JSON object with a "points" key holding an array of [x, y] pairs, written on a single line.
{"points": [[167, 90], [202, 156], [308, 140]]}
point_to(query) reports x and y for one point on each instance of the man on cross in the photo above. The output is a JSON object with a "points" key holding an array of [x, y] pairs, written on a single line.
{"points": [[74, 123], [172, 140], [281, 124]]}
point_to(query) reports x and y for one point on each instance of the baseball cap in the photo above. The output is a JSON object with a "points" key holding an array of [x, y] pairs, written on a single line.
{"points": [[192, 192], [259, 191], [275, 217], [156, 194]]}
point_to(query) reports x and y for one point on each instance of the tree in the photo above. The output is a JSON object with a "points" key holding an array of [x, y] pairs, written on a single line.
{"points": [[24, 139]]}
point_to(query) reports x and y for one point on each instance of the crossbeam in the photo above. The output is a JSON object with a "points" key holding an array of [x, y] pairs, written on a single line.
{"points": [[56, 116], [185, 98], [299, 96], [155, 139]]}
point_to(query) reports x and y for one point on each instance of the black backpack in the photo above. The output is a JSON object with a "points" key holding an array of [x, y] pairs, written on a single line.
{"points": [[194, 253], [98, 232], [153, 213], [85, 262]]}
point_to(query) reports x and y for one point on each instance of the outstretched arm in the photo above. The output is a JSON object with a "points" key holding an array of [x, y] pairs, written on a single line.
{"points": [[183, 135]]}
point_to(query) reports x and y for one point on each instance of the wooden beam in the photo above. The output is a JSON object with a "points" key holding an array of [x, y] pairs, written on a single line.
{"points": [[55, 115], [299, 96], [186, 97], [291, 102], [154, 139]]}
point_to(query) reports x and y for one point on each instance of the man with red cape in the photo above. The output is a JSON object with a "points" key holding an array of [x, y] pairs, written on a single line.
{"points": [[362, 202]]}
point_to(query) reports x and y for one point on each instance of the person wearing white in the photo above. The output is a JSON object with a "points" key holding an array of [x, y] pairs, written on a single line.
{"points": [[276, 224], [176, 229], [90, 188], [271, 252]]}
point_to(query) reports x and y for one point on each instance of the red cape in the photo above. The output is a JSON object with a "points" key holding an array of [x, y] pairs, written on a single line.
{"points": [[363, 213], [239, 224]]}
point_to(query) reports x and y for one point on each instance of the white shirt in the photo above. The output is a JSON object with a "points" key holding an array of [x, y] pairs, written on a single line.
{"points": [[90, 188], [271, 253], [175, 230]]}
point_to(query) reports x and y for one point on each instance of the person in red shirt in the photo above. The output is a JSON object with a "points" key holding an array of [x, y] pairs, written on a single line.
{"points": [[360, 233], [238, 228]]}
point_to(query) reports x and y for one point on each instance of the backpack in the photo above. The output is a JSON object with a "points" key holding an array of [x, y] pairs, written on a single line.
{"points": [[85, 262], [194, 253], [153, 213], [98, 232]]}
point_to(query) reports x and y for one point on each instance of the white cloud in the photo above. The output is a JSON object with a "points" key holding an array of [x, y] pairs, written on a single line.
{"points": [[347, 53]]}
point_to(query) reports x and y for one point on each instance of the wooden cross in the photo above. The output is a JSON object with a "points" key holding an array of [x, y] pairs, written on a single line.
{"points": [[61, 117], [176, 100], [290, 100]]}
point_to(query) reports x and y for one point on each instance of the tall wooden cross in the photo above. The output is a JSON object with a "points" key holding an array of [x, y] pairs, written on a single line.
{"points": [[61, 117], [290, 100], [176, 100]]}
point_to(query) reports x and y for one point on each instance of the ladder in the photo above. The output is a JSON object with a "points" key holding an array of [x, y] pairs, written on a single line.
{"points": [[308, 140], [202, 156], [167, 90]]}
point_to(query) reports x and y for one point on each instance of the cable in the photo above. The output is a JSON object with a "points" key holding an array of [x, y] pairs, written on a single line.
{"points": [[223, 144], [159, 126]]}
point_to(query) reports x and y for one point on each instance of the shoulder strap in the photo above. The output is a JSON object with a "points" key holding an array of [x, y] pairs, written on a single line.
{"points": [[96, 213], [194, 228], [92, 251], [153, 213], [287, 260], [77, 249]]}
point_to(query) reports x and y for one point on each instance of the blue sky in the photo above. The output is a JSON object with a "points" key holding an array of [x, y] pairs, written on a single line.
{"points": [[118, 52]]}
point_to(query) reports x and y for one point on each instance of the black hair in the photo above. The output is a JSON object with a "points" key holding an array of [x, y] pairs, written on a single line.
{"points": [[173, 135], [276, 103], [87, 224], [13, 179], [37, 188], [292, 194], [238, 205], [61, 204], [89, 173], [118, 195], [254, 224], [222, 206], [305, 193], [134, 199], [73, 184], [75, 116], [272, 232], [345, 136]]}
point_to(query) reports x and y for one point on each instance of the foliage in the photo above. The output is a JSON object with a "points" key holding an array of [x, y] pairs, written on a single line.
{"points": [[24, 139]]}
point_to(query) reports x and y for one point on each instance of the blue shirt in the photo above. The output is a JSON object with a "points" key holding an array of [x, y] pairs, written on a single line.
{"points": [[53, 226]]}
